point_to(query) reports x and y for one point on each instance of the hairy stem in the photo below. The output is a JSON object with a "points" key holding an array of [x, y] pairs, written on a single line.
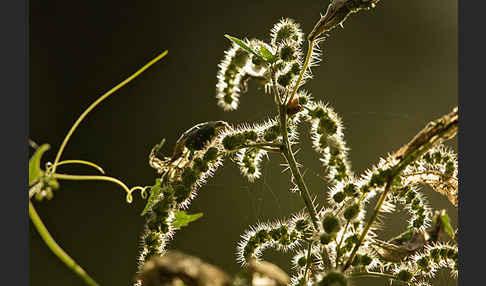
{"points": [[289, 156], [308, 262], [433, 133], [286, 150], [56, 249], [338, 245], [302, 71], [373, 274]]}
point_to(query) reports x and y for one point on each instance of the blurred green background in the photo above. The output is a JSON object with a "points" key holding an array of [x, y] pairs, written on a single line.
{"points": [[387, 73]]}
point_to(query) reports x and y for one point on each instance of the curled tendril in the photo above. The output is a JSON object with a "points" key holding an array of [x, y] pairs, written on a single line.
{"points": [[143, 193], [129, 196]]}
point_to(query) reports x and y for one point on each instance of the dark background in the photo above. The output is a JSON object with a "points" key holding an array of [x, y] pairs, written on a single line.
{"points": [[387, 73]]}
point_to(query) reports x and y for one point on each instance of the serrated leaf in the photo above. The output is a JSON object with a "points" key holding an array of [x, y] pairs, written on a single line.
{"points": [[244, 46], [155, 191], [266, 54], [183, 219], [446, 222], [34, 164]]}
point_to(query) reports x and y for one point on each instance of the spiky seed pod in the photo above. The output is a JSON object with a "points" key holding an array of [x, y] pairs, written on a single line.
{"points": [[189, 176], [282, 235], [287, 53], [416, 204], [305, 98], [176, 194], [365, 260], [250, 135], [158, 231], [232, 142], [295, 68], [300, 259], [326, 238], [327, 139], [196, 175], [286, 29], [338, 197], [302, 224], [350, 190], [423, 263], [153, 244], [333, 278], [285, 79], [317, 112], [351, 211], [290, 53], [331, 224], [211, 154], [236, 138], [272, 132], [438, 169], [404, 275], [350, 241], [280, 66], [439, 255], [231, 71], [342, 192], [249, 160]]}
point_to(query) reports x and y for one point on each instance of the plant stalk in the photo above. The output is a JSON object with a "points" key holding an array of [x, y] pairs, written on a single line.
{"points": [[56, 249], [373, 274], [302, 71], [289, 156]]}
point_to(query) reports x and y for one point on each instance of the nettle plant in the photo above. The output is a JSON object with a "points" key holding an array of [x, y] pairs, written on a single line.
{"points": [[330, 243], [333, 242]]}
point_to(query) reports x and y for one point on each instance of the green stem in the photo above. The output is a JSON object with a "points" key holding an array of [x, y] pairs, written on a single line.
{"points": [[289, 156], [373, 274], [82, 162], [56, 249], [271, 147], [129, 192], [302, 71], [286, 150], [308, 262], [98, 101], [372, 219], [277, 145], [338, 245]]}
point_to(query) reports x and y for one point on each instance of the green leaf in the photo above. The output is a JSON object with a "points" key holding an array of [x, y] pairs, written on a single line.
{"points": [[34, 164], [183, 219], [155, 191], [244, 46], [266, 54], [446, 222]]}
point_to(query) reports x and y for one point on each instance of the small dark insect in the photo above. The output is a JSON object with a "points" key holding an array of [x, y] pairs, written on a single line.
{"points": [[193, 140], [196, 138]]}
